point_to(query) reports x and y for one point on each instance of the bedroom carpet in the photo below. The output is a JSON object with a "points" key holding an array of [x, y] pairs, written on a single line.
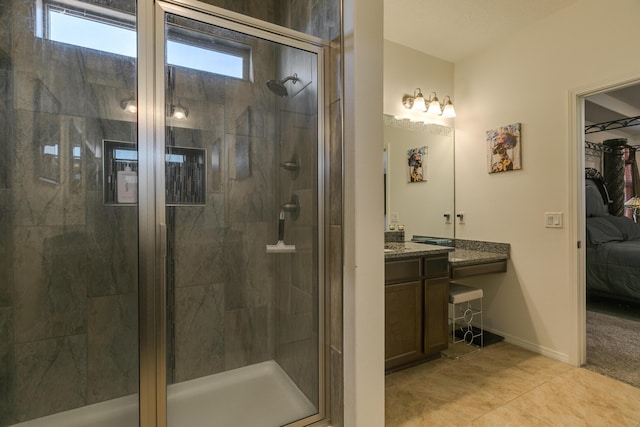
{"points": [[613, 347]]}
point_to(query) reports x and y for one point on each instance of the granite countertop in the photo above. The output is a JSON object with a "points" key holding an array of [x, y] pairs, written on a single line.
{"points": [[458, 257], [462, 257], [394, 250]]}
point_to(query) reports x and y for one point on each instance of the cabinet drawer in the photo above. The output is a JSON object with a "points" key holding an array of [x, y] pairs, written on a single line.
{"points": [[401, 271], [475, 270], [436, 267]]}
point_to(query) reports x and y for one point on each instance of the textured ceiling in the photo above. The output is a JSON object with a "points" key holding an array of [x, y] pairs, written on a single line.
{"points": [[452, 29]]}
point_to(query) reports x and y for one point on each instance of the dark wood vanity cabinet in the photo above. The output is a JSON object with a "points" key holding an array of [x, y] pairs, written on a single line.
{"points": [[416, 297]]}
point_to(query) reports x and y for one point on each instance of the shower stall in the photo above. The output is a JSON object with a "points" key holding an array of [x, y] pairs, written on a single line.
{"points": [[165, 214]]}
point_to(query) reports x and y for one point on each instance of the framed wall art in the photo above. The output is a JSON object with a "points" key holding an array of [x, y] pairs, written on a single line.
{"points": [[417, 162], [503, 148]]}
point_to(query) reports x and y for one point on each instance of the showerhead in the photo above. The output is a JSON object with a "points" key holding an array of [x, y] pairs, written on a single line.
{"points": [[277, 86]]}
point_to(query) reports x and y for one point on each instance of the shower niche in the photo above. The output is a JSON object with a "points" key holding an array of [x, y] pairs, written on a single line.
{"points": [[185, 174]]}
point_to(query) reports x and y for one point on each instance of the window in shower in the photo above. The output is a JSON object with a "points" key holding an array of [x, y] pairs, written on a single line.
{"points": [[108, 30]]}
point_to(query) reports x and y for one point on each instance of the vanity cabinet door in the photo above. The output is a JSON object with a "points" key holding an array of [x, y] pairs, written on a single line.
{"points": [[403, 323], [436, 300]]}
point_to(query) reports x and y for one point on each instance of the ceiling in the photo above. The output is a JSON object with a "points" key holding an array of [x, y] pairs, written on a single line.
{"points": [[454, 29]]}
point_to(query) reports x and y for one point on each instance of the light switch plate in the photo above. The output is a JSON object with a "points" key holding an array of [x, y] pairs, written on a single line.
{"points": [[553, 219]]}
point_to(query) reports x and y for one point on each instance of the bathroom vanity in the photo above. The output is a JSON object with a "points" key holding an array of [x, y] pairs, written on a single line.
{"points": [[417, 294], [416, 298]]}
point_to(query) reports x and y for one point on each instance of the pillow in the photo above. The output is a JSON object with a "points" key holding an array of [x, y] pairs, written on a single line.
{"points": [[594, 204], [629, 229], [602, 230]]}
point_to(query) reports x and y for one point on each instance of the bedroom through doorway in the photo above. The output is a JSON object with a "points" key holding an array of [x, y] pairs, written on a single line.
{"points": [[611, 218]]}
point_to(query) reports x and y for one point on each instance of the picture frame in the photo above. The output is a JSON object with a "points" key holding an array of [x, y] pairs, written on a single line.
{"points": [[504, 148], [417, 164]]}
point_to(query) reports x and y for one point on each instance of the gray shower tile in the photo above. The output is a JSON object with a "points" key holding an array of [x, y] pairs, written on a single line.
{"points": [[198, 246], [335, 165], [304, 271], [50, 282], [38, 199], [112, 358], [250, 197], [300, 361], [6, 251], [334, 74], [6, 366], [261, 9], [335, 284], [325, 15], [337, 388], [199, 331], [246, 337], [249, 270], [50, 376], [295, 327]]}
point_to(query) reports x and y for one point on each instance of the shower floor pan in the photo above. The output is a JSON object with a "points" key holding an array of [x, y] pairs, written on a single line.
{"points": [[259, 395]]}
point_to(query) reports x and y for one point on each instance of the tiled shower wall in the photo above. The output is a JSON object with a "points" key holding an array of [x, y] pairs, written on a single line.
{"points": [[68, 295]]}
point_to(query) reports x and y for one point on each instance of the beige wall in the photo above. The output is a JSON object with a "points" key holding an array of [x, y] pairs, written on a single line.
{"points": [[406, 69], [527, 77]]}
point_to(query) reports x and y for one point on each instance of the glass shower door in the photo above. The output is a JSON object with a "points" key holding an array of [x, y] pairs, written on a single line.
{"points": [[244, 307]]}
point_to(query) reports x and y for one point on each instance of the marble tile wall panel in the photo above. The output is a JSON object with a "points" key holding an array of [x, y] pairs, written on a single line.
{"points": [[298, 139], [203, 95], [112, 340], [50, 376], [200, 331], [50, 283], [6, 365], [335, 164], [337, 388], [319, 18], [249, 269], [246, 336], [6, 249], [243, 97], [335, 285], [6, 118], [37, 202], [112, 246], [294, 327], [5, 30], [199, 243], [251, 199], [260, 9], [300, 361]]}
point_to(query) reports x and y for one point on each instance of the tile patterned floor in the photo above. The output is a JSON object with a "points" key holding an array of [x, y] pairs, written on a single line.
{"points": [[505, 385]]}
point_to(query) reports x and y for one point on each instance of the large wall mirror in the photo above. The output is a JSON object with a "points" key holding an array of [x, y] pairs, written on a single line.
{"points": [[419, 178]]}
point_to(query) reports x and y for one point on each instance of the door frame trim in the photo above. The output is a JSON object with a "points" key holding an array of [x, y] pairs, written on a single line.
{"points": [[577, 233]]}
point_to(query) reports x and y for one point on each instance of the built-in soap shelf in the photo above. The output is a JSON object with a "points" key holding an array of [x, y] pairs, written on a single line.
{"points": [[185, 174]]}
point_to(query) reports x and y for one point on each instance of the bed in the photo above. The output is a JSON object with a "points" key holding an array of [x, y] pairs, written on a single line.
{"points": [[613, 249]]}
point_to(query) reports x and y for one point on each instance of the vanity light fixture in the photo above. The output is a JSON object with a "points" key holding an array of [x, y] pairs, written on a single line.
{"points": [[431, 105], [129, 105], [179, 112]]}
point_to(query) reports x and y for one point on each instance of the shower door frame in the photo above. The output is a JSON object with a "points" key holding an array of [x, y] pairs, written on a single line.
{"points": [[151, 204]]}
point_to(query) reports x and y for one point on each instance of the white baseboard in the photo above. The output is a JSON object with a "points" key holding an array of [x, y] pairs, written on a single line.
{"points": [[536, 348]]}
